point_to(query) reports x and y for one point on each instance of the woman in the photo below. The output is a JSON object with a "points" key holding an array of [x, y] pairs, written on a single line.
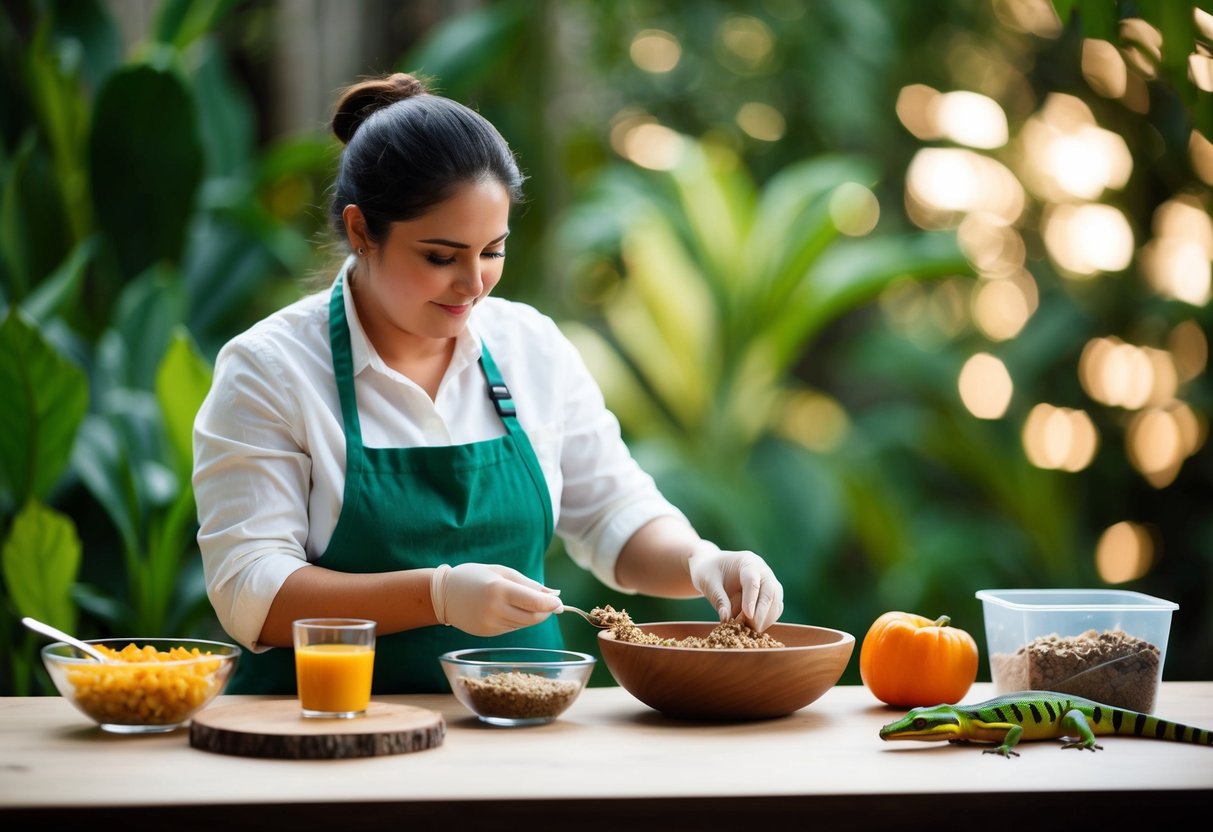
{"points": [[401, 446]]}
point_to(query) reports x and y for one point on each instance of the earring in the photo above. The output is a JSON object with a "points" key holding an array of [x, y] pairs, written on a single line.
{"points": [[361, 251]]}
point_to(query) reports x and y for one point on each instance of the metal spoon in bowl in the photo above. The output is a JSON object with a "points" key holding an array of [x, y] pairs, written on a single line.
{"points": [[47, 630], [590, 618]]}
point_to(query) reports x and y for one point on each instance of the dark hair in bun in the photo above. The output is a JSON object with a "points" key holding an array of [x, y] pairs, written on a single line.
{"points": [[407, 150]]}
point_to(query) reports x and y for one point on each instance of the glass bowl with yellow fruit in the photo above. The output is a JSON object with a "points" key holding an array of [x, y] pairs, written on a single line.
{"points": [[150, 685]]}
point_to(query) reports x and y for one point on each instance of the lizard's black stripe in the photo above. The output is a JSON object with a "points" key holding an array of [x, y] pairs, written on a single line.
{"points": [[1018, 713], [1097, 715], [1160, 729], [1118, 717], [1140, 724], [1035, 712], [1180, 730], [1049, 710], [1001, 716]]}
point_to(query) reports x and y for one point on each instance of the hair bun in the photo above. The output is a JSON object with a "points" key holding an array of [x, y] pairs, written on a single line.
{"points": [[359, 100]]}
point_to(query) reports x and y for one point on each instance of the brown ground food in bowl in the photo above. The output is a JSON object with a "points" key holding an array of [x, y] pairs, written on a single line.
{"points": [[731, 634], [1112, 667], [515, 695]]}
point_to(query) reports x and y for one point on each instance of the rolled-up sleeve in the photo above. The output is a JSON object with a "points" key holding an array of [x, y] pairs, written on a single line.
{"points": [[250, 480], [607, 496]]}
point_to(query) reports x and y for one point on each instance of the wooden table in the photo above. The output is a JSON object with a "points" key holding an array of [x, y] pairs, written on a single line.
{"points": [[609, 763]]}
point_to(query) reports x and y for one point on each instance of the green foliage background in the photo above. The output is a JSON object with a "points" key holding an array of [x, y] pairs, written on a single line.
{"points": [[145, 218]]}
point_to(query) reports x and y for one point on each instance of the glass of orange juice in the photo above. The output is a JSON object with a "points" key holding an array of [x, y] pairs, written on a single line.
{"points": [[334, 661]]}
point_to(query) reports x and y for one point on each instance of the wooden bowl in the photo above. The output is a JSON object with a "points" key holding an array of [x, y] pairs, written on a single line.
{"points": [[728, 684]]}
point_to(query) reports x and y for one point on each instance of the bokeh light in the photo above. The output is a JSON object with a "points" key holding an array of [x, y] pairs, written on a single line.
{"points": [[854, 209], [814, 420], [640, 139], [1176, 263], [1200, 153], [942, 184], [761, 121], [993, 247], [1159, 439], [1118, 374], [970, 119], [1142, 46], [1059, 438], [746, 43], [915, 109], [1104, 68], [985, 386], [1066, 156], [1189, 348], [1086, 240], [1003, 305], [655, 50], [1124, 553], [1033, 17]]}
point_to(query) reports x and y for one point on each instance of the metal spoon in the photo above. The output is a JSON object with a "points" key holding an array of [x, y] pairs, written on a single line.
{"points": [[591, 619], [47, 630]]}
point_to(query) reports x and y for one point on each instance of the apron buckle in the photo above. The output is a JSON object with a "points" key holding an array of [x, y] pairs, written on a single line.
{"points": [[500, 394]]}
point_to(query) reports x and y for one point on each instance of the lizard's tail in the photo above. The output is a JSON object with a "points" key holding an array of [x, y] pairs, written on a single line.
{"points": [[1118, 721]]}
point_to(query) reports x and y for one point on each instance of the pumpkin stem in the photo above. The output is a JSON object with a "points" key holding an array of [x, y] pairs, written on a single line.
{"points": [[942, 621]]}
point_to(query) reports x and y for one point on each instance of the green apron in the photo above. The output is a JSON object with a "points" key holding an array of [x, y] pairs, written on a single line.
{"points": [[409, 508]]}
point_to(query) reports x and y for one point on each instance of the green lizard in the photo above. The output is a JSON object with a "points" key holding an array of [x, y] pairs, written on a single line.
{"points": [[1034, 715]]}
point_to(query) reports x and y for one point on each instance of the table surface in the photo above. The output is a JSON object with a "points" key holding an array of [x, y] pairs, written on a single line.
{"points": [[608, 759]]}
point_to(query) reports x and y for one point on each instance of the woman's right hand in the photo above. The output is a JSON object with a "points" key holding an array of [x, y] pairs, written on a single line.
{"points": [[486, 599]]}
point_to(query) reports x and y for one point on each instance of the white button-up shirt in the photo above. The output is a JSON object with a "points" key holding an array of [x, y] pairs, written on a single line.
{"points": [[269, 443]]}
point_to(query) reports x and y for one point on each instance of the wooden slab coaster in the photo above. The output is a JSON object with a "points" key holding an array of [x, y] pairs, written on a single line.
{"points": [[275, 728]]}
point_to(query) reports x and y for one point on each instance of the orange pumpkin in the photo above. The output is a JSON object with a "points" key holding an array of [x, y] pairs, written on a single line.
{"points": [[911, 661]]}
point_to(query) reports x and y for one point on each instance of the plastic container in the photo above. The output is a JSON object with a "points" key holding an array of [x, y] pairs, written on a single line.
{"points": [[1108, 645]]}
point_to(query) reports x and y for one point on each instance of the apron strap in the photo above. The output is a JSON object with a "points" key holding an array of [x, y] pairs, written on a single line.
{"points": [[499, 393], [343, 367]]}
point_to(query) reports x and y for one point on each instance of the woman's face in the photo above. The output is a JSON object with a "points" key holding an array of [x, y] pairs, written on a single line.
{"points": [[424, 279]]}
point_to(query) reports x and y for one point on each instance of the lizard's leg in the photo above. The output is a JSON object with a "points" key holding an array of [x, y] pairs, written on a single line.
{"points": [[1076, 720], [1009, 741]]}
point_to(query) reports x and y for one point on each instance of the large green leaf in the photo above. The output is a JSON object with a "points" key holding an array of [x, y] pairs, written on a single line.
{"points": [[40, 559], [226, 117], [717, 197], [147, 313], [45, 398], [54, 295], [59, 100], [100, 460], [182, 383], [33, 220], [792, 225], [853, 272], [630, 400], [181, 22], [89, 24], [664, 319], [226, 270], [146, 162], [469, 46]]}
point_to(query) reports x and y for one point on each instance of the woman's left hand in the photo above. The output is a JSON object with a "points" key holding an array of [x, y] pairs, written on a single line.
{"points": [[737, 583]]}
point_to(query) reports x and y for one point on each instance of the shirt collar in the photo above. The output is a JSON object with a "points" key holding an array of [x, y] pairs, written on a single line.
{"points": [[362, 351]]}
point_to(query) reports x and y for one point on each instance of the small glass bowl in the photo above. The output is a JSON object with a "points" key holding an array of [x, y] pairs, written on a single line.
{"points": [[154, 685], [517, 686]]}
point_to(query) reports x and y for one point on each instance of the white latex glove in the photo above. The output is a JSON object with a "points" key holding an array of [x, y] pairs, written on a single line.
{"points": [[486, 599], [737, 583]]}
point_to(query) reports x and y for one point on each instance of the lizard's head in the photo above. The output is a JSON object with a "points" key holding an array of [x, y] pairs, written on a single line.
{"points": [[937, 723]]}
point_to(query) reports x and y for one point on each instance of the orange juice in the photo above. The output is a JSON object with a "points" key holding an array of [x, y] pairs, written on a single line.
{"points": [[334, 678]]}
